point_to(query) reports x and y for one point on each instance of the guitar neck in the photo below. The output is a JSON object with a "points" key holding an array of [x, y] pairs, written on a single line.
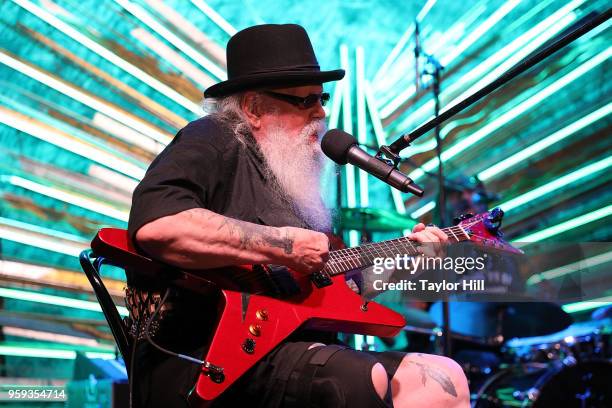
{"points": [[348, 259]]}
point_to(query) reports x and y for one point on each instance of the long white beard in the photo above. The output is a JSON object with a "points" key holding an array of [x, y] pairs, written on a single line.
{"points": [[297, 164]]}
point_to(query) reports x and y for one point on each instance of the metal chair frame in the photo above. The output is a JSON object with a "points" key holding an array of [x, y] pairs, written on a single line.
{"points": [[91, 265]]}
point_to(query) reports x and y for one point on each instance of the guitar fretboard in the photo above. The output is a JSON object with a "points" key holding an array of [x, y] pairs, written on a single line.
{"points": [[344, 260]]}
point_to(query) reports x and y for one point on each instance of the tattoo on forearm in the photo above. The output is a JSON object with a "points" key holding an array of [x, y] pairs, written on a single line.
{"points": [[438, 376], [252, 235]]}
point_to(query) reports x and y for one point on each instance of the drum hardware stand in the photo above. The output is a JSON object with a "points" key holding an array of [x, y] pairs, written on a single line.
{"points": [[436, 69], [392, 151]]}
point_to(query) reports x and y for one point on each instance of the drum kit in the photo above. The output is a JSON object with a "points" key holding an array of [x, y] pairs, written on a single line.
{"points": [[514, 354]]}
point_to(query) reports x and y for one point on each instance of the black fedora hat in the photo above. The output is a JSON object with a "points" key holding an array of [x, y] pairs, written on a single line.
{"points": [[277, 55]]}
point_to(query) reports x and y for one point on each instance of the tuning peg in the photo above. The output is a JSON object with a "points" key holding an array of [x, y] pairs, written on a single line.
{"points": [[494, 220], [496, 215]]}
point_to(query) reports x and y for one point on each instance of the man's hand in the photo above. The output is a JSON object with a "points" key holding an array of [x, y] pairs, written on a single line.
{"points": [[310, 250], [433, 238]]}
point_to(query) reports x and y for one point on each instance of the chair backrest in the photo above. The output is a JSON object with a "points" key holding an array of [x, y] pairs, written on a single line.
{"points": [[113, 246], [118, 329]]}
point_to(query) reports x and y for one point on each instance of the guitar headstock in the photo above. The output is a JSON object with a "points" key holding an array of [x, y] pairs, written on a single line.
{"points": [[484, 229]]}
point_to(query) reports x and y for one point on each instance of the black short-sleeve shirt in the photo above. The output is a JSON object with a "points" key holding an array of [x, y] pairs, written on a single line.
{"points": [[207, 166]]}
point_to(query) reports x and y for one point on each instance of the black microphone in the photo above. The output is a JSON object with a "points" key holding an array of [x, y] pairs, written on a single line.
{"points": [[342, 148]]}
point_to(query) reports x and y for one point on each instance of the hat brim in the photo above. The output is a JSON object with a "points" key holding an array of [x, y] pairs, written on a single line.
{"points": [[275, 79]]}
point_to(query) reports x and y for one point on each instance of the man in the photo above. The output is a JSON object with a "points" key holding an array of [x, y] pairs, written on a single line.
{"points": [[241, 186]]}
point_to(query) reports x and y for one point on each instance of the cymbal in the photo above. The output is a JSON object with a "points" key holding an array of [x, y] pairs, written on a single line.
{"points": [[510, 319], [374, 219]]}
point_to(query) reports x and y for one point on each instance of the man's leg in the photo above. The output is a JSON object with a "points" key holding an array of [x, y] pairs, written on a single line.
{"points": [[425, 380], [336, 376], [380, 379]]}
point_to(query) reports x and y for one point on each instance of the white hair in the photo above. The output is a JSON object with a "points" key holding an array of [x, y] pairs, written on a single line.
{"points": [[227, 109]]}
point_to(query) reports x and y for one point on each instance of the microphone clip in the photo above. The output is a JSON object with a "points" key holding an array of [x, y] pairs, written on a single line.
{"points": [[386, 155]]}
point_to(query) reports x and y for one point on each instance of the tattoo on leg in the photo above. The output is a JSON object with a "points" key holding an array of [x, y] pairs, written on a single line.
{"points": [[438, 376], [251, 235]]}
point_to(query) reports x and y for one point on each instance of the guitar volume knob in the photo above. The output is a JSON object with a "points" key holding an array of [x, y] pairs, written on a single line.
{"points": [[248, 346], [255, 330]]}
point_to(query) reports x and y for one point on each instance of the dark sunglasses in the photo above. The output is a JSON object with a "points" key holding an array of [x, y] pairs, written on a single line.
{"points": [[303, 103]]}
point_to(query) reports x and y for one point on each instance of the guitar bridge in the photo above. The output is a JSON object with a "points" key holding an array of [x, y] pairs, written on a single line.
{"points": [[321, 279]]}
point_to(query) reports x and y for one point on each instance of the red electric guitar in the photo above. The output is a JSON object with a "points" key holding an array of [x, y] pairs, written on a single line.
{"points": [[262, 305]]}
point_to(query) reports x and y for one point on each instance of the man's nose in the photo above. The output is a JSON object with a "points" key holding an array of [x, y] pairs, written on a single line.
{"points": [[318, 111]]}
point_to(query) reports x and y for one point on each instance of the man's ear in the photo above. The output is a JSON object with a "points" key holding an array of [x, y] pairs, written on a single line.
{"points": [[250, 107]]}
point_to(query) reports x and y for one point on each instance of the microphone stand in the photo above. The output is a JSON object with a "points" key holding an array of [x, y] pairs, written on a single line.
{"points": [[435, 74]]}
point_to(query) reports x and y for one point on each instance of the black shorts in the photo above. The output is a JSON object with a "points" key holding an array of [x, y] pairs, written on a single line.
{"points": [[292, 376]]}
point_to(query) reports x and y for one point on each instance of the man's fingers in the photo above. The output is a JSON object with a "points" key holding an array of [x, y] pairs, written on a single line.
{"points": [[438, 233], [423, 236], [419, 227]]}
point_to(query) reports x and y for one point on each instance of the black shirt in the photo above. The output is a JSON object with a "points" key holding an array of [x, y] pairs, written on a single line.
{"points": [[206, 166]]}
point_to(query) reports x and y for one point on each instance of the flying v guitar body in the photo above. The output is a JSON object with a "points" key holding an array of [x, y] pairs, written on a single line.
{"points": [[250, 326]]}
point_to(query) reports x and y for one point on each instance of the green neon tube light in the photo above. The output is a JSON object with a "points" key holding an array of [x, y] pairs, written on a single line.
{"points": [[347, 125], [381, 139], [513, 113], [68, 197], [566, 226], [364, 199], [56, 300], [108, 55], [24, 351], [570, 268], [510, 55], [561, 182], [587, 305], [550, 140], [141, 14]]}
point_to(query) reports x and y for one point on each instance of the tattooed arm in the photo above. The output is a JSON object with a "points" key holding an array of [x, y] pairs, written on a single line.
{"points": [[201, 239]]}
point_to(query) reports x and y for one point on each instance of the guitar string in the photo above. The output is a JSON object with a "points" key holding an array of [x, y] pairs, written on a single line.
{"points": [[352, 257], [347, 256]]}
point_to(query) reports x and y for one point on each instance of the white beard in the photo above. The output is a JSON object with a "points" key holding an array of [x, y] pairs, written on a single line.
{"points": [[297, 164]]}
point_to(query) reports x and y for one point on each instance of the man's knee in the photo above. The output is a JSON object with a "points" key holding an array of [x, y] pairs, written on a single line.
{"points": [[461, 383], [452, 368], [439, 378], [380, 380]]}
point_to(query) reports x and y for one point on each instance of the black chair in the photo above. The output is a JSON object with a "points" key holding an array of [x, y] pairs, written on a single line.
{"points": [[91, 265], [112, 246]]}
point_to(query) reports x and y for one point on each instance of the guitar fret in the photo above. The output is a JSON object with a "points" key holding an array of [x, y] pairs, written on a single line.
{"points": [[452, 232], [462, 234], [412, 249]]}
